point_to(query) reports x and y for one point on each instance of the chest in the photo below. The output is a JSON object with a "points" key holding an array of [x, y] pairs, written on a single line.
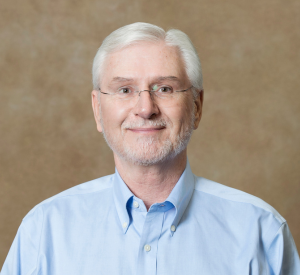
{"points": [[148, 248]]}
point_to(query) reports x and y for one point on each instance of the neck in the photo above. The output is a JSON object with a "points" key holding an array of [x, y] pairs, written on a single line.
{"points": [[154, 183]]}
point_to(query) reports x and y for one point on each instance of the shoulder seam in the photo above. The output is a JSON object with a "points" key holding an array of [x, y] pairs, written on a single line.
{"points": [[57, 196], [39, 249], [279, 218], [282, 224]]}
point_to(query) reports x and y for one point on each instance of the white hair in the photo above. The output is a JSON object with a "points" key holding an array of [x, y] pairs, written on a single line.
{"points": [[138, 32]]}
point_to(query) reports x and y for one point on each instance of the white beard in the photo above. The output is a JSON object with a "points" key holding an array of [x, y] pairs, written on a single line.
{"points": [[145, 150]]}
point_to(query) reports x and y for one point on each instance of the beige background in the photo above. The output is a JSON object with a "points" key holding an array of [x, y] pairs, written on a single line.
{"points": [[250, 132]]}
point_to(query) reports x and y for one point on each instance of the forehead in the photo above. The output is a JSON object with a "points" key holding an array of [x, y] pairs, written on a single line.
{"points": [[144, 61]]}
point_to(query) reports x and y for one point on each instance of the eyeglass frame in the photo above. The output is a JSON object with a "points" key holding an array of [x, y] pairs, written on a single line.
{"points": [[150, 91]]}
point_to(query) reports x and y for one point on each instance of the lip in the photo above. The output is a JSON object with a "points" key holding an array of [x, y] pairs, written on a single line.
{"points": [[146, 130]]}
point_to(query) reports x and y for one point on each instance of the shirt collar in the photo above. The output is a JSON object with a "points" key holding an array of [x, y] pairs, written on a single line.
{"points": [[122, 194], [180, 197]]}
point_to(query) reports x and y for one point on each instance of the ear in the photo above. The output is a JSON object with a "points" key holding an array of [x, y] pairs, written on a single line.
{"points": [[96, 109], [198, 101]]}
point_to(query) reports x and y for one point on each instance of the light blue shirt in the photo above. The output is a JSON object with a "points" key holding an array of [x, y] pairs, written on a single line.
{"points": [[203, 227]]}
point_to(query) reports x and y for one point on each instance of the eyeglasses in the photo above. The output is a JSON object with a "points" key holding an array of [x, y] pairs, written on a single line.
{"points": [[159, 91]]}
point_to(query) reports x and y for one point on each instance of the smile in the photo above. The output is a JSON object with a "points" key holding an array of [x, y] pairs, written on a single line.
{"points": [[146, 130]]}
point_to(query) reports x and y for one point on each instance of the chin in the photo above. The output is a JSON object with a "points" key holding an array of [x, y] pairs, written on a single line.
{"points": [[147, 151]]}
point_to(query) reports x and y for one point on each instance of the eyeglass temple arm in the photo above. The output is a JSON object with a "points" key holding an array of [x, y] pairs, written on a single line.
{"points": [[184, 90], [102, 92]]}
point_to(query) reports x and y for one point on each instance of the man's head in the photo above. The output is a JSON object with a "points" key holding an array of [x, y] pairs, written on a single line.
{"points": [[147, 127], [137, 32]]}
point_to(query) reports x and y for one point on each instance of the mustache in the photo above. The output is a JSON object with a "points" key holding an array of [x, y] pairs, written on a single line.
{"points": [[144, 123]]}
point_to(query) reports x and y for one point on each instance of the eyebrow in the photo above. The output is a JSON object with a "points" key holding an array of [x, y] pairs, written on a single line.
{"points": [[170, 77], [121, 79]]}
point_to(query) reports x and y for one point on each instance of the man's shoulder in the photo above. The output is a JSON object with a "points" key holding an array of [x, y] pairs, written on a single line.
{"points": [[235, 197], [82, 192], [96, 185]]}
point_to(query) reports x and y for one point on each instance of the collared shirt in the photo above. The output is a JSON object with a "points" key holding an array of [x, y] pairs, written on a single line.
{"points": [[203, 227]]}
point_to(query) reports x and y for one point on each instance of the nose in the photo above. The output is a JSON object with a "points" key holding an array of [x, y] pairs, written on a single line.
{"points": [[145, 106]]}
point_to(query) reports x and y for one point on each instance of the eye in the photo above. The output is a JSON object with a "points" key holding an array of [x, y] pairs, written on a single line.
{"points": [[165, 89], [124, 90]]}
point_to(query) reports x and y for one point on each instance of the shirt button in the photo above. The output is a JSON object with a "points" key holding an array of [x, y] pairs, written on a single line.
{"points": [[173, 228], [147, 247], [124, 224], [135, 204]]}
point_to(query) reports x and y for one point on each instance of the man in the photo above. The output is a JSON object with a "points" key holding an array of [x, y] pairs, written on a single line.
{"points": [[153, 216]]}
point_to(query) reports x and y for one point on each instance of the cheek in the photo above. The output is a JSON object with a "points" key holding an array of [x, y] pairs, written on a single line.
{"points": [[180, 115], [112, 114]]}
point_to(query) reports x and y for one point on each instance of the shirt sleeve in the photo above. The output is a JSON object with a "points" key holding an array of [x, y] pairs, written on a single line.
{"points": [[282, 254], [23, 254]]}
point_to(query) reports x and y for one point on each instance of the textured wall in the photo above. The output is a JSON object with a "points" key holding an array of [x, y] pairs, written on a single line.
{"points": [[250, 132]]}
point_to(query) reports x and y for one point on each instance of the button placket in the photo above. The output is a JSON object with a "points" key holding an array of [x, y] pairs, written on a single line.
{"points": [[147, 257]]}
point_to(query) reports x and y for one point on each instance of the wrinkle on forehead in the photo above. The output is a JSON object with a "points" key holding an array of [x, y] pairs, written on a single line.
{"points": [[120, 79]]}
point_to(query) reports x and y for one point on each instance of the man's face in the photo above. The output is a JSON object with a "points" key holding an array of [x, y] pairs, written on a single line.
{"points": [[145, 129]]}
